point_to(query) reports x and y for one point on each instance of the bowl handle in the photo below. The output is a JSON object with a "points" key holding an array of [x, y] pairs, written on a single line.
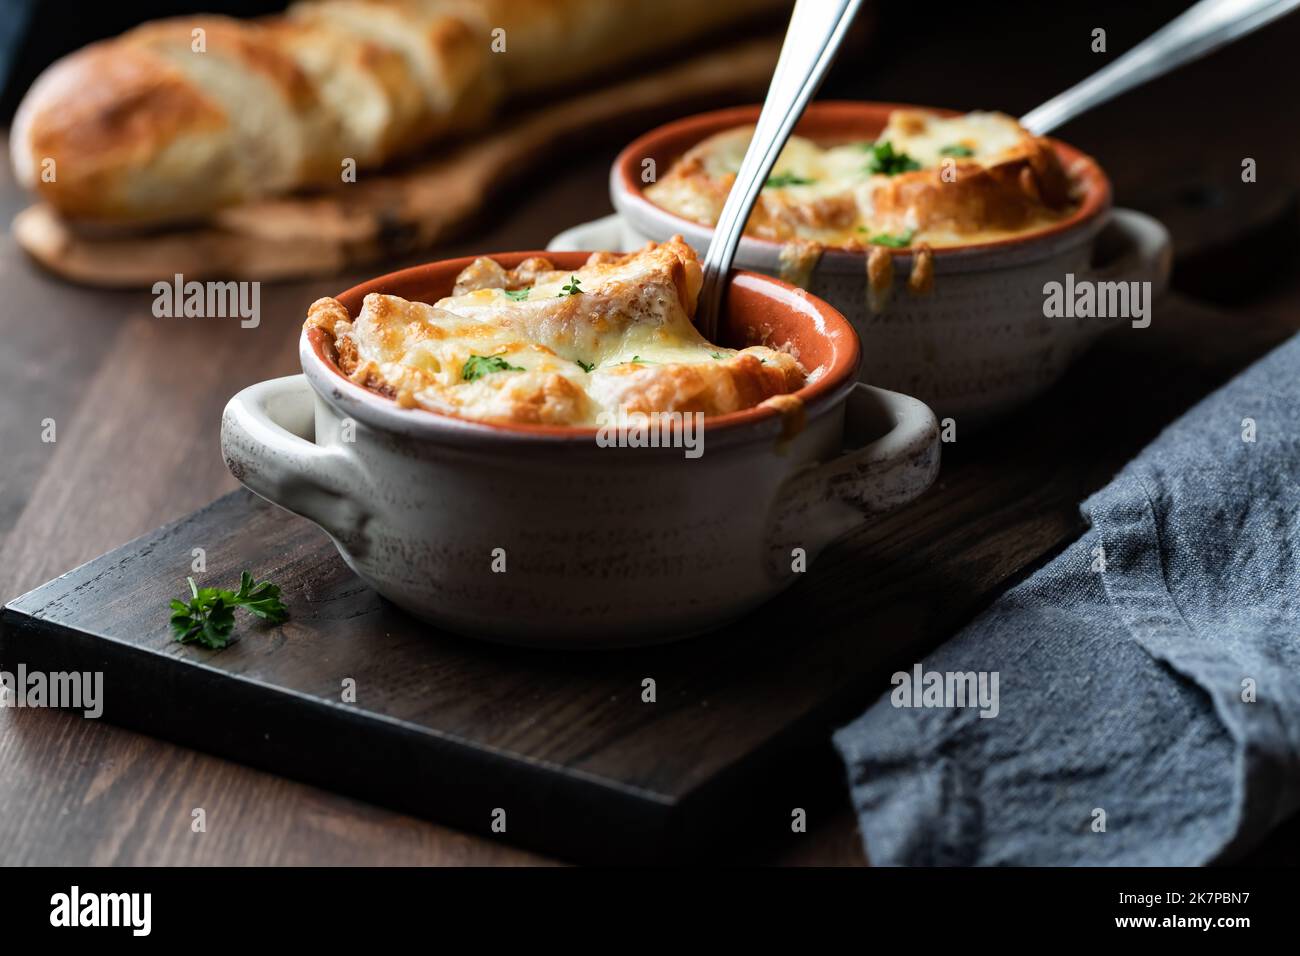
{"points": [[1145, 253], [265, 441], [826, 501]]}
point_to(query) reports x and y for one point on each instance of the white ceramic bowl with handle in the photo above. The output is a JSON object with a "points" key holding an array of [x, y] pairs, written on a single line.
{"points": [[539, 535], [978, 344]]}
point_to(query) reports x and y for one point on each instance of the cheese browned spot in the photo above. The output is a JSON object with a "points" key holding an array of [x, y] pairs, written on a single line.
{"points": [[794, 415], [921, 279], [539, 345], [880, 278], [798, 258]]}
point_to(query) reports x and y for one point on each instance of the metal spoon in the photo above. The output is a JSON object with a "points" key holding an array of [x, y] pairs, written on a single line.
{"points": [[816, 30], [1197, 31]]}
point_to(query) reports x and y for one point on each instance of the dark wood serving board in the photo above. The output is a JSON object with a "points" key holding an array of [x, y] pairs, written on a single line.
{"points": [[562, 741]]}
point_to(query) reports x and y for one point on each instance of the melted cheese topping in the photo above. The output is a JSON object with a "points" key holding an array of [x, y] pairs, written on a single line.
{"points": [[941, 181], [535, 345]]}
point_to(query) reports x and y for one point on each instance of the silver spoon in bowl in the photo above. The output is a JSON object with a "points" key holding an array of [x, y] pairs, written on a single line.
{"points": [[816, 30]]}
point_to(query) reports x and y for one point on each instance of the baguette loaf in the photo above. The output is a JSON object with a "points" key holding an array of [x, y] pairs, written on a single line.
{"points": [[179, 118]]}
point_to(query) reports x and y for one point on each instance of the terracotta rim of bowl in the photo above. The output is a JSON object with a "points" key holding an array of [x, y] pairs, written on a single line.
{"points": [[835, 373], [848, 119]]}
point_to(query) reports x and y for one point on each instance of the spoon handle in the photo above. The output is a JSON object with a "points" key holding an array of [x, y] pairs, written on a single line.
{"points": [[816, 30], [1199, 30]]}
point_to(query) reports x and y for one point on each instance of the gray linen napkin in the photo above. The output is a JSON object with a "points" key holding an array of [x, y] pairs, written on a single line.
{"points": [[1147, 713]]}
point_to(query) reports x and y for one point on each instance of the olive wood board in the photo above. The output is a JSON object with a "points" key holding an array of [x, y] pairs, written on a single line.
{"points": [[397, 211], [562, 741]]}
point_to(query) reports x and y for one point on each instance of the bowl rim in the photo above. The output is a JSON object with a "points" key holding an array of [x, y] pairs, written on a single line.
{"points": [[823, 392], [629, 199]]}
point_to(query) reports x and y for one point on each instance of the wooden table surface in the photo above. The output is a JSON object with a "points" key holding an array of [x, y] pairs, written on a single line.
{"points": [[136, 401]]}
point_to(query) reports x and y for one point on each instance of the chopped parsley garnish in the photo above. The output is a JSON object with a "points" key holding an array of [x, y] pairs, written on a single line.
{"points": [[884, 160], [585, 366], [476, 366], [956, 149], [208, 618], [517, 294], [638, 360], [889, 239], [716, 356], [781, 180], [572, 287]]}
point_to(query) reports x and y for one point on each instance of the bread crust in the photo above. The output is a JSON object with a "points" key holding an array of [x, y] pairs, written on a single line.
{"points": [[274, 115], [621, 345], [142, 130], [445, 48], [374, 101], [1017, 185], [106, 130], [1014, 193]]}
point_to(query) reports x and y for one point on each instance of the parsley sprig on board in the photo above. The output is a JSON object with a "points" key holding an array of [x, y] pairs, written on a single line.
{"points": [[208, 618]]}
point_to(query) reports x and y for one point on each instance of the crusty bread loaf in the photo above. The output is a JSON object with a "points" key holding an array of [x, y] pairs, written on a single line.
{"points": [[369, 90], [445, 46], [178, 118]]}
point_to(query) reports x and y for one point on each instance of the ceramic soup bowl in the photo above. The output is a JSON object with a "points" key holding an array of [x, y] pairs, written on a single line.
{"points": [[979, 343], [539, 535]]}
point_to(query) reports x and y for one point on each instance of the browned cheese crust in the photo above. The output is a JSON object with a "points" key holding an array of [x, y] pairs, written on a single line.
{"points": [[537, 345]]}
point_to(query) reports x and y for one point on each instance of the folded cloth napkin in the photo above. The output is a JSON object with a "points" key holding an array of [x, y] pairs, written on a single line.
{"points": [[1147, 686]]}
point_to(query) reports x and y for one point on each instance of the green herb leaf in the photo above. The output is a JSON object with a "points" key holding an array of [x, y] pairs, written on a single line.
{"points": [[476, 366], [781, 180], [572, 287], [889, 239], [209, 617], [261, 600], [956, 149], [884, 160], [638, 360], [517, 294], [585, 366], [717, 356]]}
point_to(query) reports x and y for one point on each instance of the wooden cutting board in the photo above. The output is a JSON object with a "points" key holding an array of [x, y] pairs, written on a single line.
{"points": [[738, 735], [399, 211]]}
